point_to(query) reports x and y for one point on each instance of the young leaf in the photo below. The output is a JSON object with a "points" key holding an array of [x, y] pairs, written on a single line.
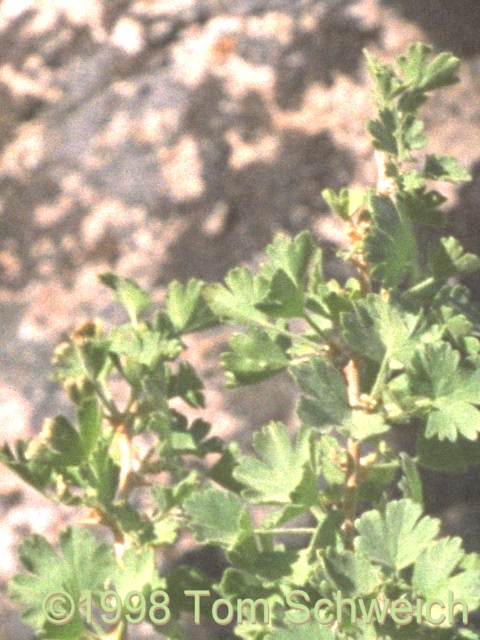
{"points": [[386, 82], [420, 74], [396, 538], [384, 131], [90, 422], [128, 294], [187, 308], [410, 135], [292, 256], [346, 203], [284, 471], [441, 72], [255, 356], [411, 483], [31, 471], [102, 475], [414, 63], [421, 206], [448, 259], [390, 242], [435, 373], [58, 444], [445, 168]]}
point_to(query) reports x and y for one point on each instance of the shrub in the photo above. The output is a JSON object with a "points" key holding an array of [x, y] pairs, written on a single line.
{"points": [[397, 344]]}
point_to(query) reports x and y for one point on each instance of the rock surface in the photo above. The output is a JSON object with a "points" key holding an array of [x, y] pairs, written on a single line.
{"points": [[166, 140]]}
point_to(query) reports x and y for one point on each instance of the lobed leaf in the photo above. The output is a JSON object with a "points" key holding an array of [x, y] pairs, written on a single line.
{"points": [[395, 539], [284, 473], [389, 244]]}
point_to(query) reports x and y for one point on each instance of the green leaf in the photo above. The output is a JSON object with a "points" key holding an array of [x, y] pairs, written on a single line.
{"points": [[31, 471], [346, 203], [444, 455], [445, 168], [58, 444], [166, 531], [102, 475], [384, 131], [441, 72], [84, 564], [67, 362], [362, 426], [386, 82], [390, 242], [137, 571], [284, 473], [127, 292], [351, 573], [324, 398], [324, 401], [437, 574], [187, 385], [311, 630], [222, 470], [378, 330], [448, 259], [414, 63], [395, 539], [292, 256], [435, 373], [255, 356], [90, 422], [411, 483], [217, 517], [237, 302], [283, 298], [93, 353], [187, 308], [421, 206], [410, 134], [142, 346]]}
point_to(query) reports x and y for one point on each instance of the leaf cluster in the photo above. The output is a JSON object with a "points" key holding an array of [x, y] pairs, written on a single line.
{"points": [[325, 507]]}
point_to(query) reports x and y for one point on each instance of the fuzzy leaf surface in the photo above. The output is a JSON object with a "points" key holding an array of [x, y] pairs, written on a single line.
{"points": [[217, 517], [435, 373], [395, 539], [445, 168], [390, 242], [128, 294], [284, 472], [444, 567], [324, 401], [187, 308], [377, 330], [83, 565], [254, 357], [449, 259]]}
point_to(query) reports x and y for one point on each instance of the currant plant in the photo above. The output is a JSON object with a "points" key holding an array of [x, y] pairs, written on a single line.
{"points": [[395, 346]]}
